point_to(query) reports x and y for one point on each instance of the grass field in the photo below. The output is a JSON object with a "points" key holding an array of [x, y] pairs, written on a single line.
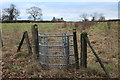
{"points": [[103, 37]]}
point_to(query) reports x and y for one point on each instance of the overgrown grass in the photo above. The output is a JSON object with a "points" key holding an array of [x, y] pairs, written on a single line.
{"points": [[22, 63], [99, 26], [20, 27], [104, 26]]}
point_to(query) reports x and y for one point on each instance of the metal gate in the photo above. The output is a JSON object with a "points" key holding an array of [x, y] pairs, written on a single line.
{"points": [[56, 49]]}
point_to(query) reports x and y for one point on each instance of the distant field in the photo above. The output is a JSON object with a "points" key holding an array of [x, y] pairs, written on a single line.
{"points": [[45, 26], [103, 37]]}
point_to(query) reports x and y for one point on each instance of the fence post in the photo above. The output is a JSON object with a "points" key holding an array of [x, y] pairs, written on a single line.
{"points": [[21, 42], [28, 43], [98, 59], [35, 39], [1, 40], [67, 50], [75, 49], [83, 57]]}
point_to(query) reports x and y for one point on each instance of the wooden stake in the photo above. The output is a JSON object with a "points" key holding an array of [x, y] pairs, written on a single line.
{"points": [[99, 60], [28, 43], [35, 39], [75, 49], [21, 42], [83, 50]]}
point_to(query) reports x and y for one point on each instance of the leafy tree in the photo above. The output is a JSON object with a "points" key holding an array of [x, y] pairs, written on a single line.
{"points": [[10, 13], [35, 13]]}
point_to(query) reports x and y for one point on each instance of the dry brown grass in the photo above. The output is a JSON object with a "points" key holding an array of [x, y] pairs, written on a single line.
{"points": [[23, 65]]}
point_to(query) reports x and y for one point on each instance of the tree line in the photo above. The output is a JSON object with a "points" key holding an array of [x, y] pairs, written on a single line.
{"points": [[11, 13], [95, 17], [35, 13]]}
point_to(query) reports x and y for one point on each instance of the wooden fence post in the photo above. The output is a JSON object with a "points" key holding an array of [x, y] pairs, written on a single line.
{"points": [[1, 40], [75, 49], [28, 43], [25, 36], [21, 42], [67, 51], [35, 39], [83, 57], [98, 59]]}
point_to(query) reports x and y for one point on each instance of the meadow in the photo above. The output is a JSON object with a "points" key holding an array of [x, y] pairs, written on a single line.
{"points": [[103, 37]]}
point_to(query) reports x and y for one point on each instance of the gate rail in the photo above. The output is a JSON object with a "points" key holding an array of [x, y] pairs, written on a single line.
{"points": [[60, 41]]}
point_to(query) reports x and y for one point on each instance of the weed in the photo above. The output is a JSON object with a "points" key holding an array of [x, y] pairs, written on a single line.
{"points": [[19, 54]]}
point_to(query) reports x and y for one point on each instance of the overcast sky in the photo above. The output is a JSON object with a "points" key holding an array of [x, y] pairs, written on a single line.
{"points": [[70, 11]]}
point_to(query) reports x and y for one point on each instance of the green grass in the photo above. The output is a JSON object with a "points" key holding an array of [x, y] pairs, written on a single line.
{"points": [[99, 26], [20, 27], [104, 26]]}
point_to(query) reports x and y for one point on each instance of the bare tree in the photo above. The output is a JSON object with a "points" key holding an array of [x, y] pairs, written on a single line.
{"points": [[10, 13], [94, 16], [101, 17], [35, 13], [84, 16]]}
